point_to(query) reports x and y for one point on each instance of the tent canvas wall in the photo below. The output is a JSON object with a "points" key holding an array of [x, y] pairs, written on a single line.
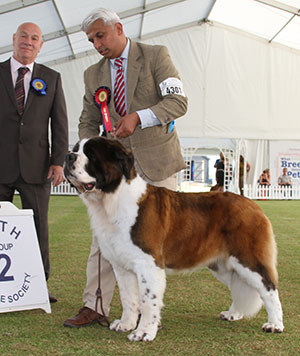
{"points": [[238, 85]]}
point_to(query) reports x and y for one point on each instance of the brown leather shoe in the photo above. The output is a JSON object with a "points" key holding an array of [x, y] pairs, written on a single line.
{"points": [[85, 317], [52, 298]]}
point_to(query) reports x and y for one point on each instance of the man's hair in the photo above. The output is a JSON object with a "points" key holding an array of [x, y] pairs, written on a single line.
{"points": [[109, 17]]}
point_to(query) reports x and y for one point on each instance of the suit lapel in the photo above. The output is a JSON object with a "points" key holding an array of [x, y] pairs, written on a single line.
{"points": [[133, 71], [36, 73], [7, 80], [104, 74], [104, 77]]}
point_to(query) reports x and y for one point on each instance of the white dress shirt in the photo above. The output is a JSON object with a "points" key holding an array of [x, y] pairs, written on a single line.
{"points": [[146, 116], [14, 66]]}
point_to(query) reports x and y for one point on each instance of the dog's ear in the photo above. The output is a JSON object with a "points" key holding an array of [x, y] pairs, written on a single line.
{"points": [[126, 161], [108, 176], [100, 180]]}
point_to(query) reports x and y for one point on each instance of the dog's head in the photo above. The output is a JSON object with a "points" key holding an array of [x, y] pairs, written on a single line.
{"points": [[98, 163]]}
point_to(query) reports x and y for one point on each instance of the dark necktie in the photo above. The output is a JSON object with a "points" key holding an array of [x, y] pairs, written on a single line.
{"points": [[119, 89], [19, 89]]}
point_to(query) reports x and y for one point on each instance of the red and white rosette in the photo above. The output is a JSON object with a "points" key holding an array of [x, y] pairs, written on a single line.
{"points": [[101, 99]]}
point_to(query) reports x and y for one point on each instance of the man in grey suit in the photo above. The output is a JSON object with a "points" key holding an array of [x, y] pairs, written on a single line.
{"points": [[31, 94], [154, 98]]}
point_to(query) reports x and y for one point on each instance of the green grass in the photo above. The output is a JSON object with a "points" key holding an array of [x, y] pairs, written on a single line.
{"points": [[191, 324]]}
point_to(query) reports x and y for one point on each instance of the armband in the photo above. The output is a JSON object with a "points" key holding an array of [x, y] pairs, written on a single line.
{"points": [[171, 86]]}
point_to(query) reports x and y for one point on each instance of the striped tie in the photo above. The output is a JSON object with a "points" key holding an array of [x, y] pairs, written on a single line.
{"points": [[19, 89], [119, 89]]}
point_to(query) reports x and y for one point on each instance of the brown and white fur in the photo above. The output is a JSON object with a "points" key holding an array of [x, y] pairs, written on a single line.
{"points": [[144, 231]]}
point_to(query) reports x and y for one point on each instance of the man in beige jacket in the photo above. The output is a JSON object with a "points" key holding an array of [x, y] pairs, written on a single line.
{"points": [[154, 98]]}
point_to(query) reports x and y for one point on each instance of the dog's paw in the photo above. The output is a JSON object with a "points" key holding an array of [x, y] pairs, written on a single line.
{"points": [[121, 326], [143, 334], [272, 328], [227, 315]]}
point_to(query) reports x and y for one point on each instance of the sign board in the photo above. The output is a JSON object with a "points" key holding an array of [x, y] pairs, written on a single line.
{"points": [[22, 278], [285, 154]]}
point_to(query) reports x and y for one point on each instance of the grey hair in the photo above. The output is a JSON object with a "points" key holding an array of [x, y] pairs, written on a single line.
{"points": [[109, 17]]}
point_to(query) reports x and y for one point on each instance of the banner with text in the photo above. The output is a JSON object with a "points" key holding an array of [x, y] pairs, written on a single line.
{"points": [[285, 154]]}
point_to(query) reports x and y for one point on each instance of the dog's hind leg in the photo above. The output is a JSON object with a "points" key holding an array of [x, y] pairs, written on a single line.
{"points": [[274, 310], [264, 286], [129, 294], [152, 284], [245, 300]]}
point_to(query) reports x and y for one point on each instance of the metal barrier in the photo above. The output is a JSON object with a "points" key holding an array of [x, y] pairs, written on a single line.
{"points": [[272, 192]]}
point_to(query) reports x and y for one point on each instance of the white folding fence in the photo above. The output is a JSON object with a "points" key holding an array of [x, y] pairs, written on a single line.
{"points": [[272, 192], [251, 192], [64, 188], [232, 167]]}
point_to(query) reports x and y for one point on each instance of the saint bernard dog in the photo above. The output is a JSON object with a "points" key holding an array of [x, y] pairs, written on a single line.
{"points": [[146, 231]]}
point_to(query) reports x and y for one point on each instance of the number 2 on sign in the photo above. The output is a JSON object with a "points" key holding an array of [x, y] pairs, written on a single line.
{"points": [[3, 276]]}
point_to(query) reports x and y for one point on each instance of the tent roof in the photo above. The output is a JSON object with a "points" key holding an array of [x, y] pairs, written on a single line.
{"points": [[274, 21]]}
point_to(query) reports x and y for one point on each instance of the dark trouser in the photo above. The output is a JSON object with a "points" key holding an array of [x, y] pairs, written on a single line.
{"points": [[35, 197]]}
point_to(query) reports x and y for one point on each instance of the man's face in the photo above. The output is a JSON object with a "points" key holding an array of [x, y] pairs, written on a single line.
{"points": [[27, 43], [284, 171], [107, 39]]}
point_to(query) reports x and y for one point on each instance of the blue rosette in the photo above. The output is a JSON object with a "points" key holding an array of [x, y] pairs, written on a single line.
{"points": [[38, 86]]}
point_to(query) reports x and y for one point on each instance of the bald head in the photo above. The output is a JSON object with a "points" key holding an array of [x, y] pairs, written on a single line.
{"points": [[27, 42]]}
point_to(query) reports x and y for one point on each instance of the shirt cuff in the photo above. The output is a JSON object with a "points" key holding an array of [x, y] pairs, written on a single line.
{"points": [[148, 118]]}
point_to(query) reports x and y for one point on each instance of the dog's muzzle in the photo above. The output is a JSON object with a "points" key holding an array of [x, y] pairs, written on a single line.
{"points": [[69, 168], [69, 165]]}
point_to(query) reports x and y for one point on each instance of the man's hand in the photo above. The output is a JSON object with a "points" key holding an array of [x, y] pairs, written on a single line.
{"points": [[126, 125], [56, 175]]}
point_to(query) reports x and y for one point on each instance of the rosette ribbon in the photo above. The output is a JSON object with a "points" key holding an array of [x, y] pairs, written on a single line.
{"points": [[38, 86], [101, 99]]}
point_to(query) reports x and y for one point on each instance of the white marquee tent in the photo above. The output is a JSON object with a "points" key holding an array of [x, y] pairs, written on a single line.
{"points": [[239, 61]]}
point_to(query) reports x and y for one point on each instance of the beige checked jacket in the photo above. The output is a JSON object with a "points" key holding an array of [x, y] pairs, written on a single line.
{"points": [[156, 150]]}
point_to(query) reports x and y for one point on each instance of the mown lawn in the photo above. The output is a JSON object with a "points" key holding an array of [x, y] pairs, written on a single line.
{"points": [[191, 324]]}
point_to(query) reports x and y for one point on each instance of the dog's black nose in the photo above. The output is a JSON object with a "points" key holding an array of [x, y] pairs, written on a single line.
{"points": [[71, 158]]}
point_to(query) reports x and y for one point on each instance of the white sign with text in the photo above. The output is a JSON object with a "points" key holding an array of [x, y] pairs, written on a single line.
{"points": [[285, 154], [22, 279]]}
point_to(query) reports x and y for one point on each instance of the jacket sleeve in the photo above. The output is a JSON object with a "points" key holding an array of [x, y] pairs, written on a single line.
{"points": [[173, 103], [59, 126]]}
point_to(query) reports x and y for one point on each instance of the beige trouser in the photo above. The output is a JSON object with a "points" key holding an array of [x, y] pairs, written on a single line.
{"points": [[108, 280]]}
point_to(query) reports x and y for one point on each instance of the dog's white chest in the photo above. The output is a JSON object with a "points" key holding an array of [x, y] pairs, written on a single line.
{"points": [[111, 221]]}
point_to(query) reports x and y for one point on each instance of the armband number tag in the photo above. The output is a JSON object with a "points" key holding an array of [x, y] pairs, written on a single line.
{"points": [[171, 86]]}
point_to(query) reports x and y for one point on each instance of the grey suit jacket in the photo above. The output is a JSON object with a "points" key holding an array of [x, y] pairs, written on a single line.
{"points": [[25, 147], [156, 150]]}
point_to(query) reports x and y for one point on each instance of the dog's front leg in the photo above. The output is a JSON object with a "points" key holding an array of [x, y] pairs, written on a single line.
{"points": [[152, 284], [129, 295]]}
